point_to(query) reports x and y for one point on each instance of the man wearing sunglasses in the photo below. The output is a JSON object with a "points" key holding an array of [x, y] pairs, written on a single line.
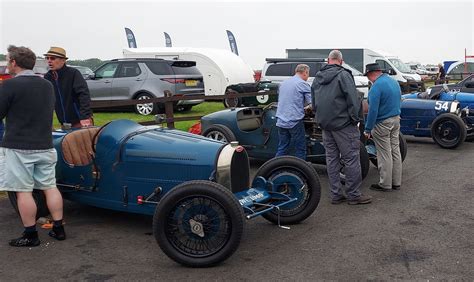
{"points": [[72, 94]]}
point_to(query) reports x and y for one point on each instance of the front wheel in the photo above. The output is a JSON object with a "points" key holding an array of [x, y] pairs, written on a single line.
{"points": [[448, 131], [198, 223], [294, 178]]}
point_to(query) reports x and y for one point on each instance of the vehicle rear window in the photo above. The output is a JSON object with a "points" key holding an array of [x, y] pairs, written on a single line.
{"points": [[159, 68], [178, 70], [280, 70]]}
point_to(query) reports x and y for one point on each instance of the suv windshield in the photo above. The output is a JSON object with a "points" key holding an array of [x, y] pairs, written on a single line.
{"points": [[400, 65]]}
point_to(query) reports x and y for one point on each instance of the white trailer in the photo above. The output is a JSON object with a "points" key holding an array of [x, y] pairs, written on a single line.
{"points": [[219, 68]]}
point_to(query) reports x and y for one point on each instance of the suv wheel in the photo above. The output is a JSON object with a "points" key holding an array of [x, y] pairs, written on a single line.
{"points": [[146, 109]]}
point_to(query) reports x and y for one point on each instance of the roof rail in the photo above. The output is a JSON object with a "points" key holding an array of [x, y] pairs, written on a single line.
{"points": [[296, 60]]}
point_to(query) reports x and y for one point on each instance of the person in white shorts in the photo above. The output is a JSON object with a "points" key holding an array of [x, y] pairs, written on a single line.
{"points": [[27, 155]]}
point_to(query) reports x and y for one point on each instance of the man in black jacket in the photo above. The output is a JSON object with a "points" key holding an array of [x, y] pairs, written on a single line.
{"points": [[337, 108], [72, 94], [27, 155]]}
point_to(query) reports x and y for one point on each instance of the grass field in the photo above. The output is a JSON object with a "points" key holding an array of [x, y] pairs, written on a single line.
{"points": [[101, 118]]}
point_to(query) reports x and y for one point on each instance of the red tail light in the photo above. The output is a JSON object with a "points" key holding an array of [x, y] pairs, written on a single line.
{"points": [[173, 80], [257, 75]]}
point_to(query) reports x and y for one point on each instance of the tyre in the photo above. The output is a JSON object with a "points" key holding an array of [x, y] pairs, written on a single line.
{"points": [[364, 164], [231, 102], [146, 109], [448, 131], [304, 185], [220, 133], [402, 141], [40, 200], [198, 223]]}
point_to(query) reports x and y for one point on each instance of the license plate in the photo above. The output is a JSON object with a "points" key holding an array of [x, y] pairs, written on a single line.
{"points": [[191, 82]]}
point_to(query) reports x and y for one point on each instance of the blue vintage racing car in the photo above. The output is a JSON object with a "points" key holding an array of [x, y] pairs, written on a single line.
{"points": [[255, 129], [197, 190], [446, 116]]}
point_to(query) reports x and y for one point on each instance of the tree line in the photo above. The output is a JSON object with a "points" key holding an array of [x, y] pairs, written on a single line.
{"points": [[92, 63]]}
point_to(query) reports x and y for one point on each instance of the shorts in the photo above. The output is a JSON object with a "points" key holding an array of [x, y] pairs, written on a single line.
{"points": [[25, 170]]}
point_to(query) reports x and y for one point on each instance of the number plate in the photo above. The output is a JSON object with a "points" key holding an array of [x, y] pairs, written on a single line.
{"points": [[191, 82]]}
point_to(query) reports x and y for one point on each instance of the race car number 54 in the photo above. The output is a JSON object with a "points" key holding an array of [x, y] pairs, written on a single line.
{"points": [[440, 105]]}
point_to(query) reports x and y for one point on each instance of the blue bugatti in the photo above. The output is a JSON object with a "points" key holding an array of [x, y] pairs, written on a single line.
{"points": [[197, 190]]}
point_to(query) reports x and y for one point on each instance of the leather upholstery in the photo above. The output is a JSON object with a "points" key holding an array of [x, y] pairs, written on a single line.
{"points": [[77, 146]]}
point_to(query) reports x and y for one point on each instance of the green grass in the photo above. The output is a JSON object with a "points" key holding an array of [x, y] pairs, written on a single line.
{"points": [[101, 118]]}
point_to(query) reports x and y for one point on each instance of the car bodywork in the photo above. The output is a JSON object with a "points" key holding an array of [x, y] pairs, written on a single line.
{"points": [[255, 129], [446, 116], [198, 190]]}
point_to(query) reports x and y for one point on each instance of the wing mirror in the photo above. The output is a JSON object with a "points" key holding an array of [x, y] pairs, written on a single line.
{"points": [[91, 76]]}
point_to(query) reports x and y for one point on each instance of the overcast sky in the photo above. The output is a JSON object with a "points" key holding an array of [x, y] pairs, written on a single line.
{"points": [[423, 31]]}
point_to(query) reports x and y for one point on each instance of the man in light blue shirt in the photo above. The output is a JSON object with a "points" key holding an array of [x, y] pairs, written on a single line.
{"points": [[294, 94]]}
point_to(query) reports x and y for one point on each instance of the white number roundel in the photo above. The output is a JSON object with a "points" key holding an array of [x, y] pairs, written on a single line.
{"points": [[262, 99]]}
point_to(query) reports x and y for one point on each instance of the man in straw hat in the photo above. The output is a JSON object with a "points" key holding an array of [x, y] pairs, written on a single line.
{"points": [[72, 94], [383, 124]]}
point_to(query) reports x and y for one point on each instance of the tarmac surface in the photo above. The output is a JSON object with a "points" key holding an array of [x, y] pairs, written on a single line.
{"points": [[423, 231]]}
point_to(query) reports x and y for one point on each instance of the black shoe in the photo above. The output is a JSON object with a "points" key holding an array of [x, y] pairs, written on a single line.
{"points": [[58, 233], [377, 187], [396, 187], [338, 201], [361, 200], [26, 240]]}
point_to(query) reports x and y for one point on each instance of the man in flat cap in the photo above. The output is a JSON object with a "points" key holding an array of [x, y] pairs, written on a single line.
{"points": [[383, 124], [72, 94]]}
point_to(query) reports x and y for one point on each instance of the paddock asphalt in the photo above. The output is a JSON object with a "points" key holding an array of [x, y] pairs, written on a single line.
{"points": [[423, 231]]}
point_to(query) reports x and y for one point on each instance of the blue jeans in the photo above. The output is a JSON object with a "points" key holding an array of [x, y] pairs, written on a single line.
{"points": [[292, 139]]}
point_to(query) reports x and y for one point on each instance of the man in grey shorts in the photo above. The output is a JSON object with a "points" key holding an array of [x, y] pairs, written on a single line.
{"points": [[337, 105], [383, 124], [27, 155]]}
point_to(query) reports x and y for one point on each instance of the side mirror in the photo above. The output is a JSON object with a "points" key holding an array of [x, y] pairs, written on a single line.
{"points": [[391, 72], [469, 84], [91, 76]]}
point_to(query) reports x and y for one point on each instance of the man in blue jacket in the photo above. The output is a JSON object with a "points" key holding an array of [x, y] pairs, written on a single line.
{"points": [[383, 124]]}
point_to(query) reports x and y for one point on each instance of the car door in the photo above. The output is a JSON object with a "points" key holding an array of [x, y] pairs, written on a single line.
{"points": [[128, 81], [100, 86]]}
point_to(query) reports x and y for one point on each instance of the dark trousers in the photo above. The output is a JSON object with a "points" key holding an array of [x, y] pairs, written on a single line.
{"points": [[343, 147], [292, 136]]}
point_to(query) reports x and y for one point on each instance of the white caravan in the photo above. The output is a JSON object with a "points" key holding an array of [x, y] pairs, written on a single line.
{"points": [[219, 68]]}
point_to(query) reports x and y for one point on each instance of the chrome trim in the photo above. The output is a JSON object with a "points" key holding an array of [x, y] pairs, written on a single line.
{"points": [[454, 107], [223, 166]]}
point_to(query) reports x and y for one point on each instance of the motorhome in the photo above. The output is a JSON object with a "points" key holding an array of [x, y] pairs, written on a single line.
{"points": [[360, 57], [219, 68]]}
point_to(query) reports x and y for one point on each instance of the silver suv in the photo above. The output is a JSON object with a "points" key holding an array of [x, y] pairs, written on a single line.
{"points": [[141, 79]]}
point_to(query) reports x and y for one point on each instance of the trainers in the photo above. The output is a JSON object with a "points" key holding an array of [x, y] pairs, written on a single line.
{"points": [[58, 233], [26, 240], [361, 200], [338, 200], [396, 187], [377, 187]]}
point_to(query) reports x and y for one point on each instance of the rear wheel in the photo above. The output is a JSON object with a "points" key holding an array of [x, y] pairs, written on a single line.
{"points": [[448, 131], [231, 102], [220, 133], [198, 223], [40, 200], [146, 109], [294, 178]]}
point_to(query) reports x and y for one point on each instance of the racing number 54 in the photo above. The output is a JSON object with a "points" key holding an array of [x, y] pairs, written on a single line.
{"points": [[440, 105]]}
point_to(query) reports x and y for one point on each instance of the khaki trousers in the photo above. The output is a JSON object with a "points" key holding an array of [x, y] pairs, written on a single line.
{"points": [[385, 135]]}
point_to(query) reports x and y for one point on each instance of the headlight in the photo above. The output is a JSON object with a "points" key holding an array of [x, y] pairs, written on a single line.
{"points": [[408, 77]]}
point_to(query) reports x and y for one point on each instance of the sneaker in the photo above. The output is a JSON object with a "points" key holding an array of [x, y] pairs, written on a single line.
{"points": [[58, 233], [396, 187], [338, 200], [26, 240], [363, 199], [377, 187]]}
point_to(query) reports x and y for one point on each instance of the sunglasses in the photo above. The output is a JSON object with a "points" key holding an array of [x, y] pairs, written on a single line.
{"points": [[50, 58]]}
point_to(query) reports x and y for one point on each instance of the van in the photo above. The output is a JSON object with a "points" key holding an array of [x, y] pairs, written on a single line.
{"points": [[359, 57], [219, 68]]}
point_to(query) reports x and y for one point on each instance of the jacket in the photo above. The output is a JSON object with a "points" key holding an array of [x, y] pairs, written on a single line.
{"points": [[72, 95], [336, 101]]}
